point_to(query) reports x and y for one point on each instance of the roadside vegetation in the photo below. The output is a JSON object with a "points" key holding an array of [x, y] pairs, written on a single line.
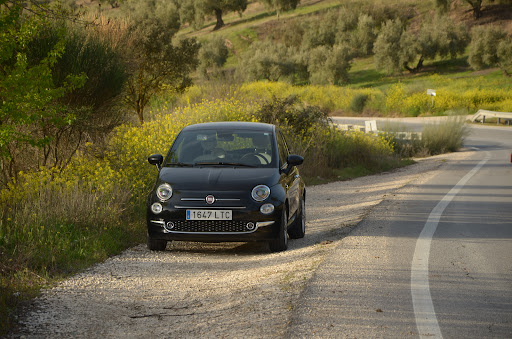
{"points": [[86, 96]]}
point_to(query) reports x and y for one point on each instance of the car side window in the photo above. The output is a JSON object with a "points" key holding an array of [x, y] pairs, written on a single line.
{"points": [[283, 149]]}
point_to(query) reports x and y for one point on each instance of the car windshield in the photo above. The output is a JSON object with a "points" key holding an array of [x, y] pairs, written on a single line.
{"points": [[239, 148]]}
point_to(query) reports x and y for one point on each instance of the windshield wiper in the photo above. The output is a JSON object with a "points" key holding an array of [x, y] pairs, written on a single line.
{"points": [[222, 163], [179, 164]]}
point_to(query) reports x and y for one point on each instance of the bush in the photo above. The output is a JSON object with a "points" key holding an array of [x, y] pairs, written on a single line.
{"points": [[300, 118], [444, 137], [92, 106], [358, 102]]}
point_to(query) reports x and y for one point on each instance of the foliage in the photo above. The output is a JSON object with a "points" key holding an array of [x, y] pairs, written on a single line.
{"points": [[195, 11], [442, 5], [281, 5], [504, 54], [387, 47], [490, 47], [329, 65], [395, 48], [28, 95], [444, 137], [157, 62], [291, 112], [92, 104], [267, 60], [212, 56], [436, 38], [321, 33], [358, 102], [364, 35]]}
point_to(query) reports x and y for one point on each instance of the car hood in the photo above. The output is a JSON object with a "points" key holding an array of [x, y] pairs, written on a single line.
{"points": [[218, 178]]}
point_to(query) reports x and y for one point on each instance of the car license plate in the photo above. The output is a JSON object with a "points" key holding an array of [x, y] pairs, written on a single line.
{"points": [[209, 215]]}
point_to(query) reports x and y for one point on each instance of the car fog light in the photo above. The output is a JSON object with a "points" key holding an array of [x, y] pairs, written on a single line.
{"points": [[156, 208], [250, 226], [267, 208], [169, 226]]}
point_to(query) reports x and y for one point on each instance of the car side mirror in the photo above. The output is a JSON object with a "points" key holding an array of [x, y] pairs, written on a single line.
{"points": [[294, 160], [156, 159]]}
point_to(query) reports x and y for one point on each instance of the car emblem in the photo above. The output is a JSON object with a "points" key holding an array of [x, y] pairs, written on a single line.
{"points": [[210, 199]]}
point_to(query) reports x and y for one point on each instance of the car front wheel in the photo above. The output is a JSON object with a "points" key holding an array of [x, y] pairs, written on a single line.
{"points": [[156, 244], [280, 243], [298, 229]]}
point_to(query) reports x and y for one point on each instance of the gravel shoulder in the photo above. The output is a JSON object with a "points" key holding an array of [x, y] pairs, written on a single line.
{"points": [[212, 290]]}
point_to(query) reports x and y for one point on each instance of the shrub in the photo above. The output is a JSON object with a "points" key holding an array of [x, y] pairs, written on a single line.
{"points": [[300, 118], [358, 102], [444, 137]]}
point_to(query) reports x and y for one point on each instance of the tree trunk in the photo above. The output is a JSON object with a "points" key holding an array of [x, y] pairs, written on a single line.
{"points": [[477, 7], [416, 69], [220, 22], [477, 12]]}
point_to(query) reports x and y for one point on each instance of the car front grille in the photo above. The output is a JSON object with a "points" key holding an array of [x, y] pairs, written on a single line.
{"points": [[209, 226]]}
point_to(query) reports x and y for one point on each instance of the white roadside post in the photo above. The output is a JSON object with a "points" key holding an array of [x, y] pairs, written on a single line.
{"points": [[432, 93]]}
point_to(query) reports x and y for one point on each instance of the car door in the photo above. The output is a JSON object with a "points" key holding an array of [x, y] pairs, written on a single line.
{"points": [[290, 179]]}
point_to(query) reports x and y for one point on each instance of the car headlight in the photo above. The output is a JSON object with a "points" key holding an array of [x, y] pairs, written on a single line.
{"points": [[164, 192], [260, 192]]}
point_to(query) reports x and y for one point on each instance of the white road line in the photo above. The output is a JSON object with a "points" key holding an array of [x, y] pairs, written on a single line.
{"points": [[426, 320]]}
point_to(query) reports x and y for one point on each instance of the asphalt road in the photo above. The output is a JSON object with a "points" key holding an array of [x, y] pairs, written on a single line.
{"points": [[434, 260]]}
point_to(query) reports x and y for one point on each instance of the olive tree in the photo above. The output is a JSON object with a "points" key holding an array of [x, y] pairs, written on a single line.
{"points": [[195, 11], [281, 5], [156, 60], [437, 38], [505, 56], [363, 37], [329, 65], [490, 47], [387, 47], [266, 60], [476, 5], [212, 56], [396, 48]]}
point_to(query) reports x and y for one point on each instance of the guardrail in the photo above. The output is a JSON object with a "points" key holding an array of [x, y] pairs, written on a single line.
{"points": [[483, 114], [371, 127]]}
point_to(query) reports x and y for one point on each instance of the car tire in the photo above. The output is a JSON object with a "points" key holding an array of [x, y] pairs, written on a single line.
{"points": [[280, 243], [156, 244], [298, 228]]}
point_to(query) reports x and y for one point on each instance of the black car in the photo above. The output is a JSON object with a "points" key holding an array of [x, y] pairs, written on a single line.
{"points": [[227, 181]]}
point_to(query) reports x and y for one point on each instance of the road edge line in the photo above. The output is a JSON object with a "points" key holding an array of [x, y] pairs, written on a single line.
{"points": [[424, 313]]}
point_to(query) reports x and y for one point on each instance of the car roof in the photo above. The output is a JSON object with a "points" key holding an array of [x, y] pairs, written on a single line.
{"points": [[253, 126]]}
